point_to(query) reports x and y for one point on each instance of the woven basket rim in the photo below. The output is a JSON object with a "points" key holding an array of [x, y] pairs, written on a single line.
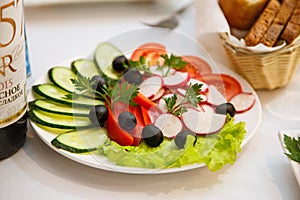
{"points": [[268, 70], [239, 49]]}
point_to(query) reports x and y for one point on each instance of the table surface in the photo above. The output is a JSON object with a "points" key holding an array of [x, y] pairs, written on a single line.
{"points": [[58, 32]]}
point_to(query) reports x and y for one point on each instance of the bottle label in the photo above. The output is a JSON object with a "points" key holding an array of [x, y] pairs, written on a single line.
{"points": [[13, 102]]}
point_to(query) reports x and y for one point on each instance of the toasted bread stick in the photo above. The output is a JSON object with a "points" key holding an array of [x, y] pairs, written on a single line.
{"points": [[258, 30], [279, 22], [292, 29]]}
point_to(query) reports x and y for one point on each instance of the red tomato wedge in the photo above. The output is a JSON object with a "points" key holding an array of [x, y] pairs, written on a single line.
{"points": [[196, 66], [151, 52], [116, 133], [226, 84]]}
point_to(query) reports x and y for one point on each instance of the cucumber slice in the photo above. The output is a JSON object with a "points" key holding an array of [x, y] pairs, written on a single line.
{"points": [[82, 141], [61, 76], [85, 68], [104, 55], [54, 120], [63, 109], [54, 93]]}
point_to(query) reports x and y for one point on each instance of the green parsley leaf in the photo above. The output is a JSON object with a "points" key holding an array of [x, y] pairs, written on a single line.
{"points": [[141, 64], [180, 110], [112, 92], [192, 96], [170, 102], [293, 146], [174, 61], [84, 85], [124, 92]]}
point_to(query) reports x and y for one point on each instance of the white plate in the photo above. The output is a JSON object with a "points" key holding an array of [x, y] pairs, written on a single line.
{"points": [[295, 165], [182, 46]]}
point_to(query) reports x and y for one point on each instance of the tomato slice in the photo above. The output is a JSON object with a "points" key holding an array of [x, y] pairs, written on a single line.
{"points": [[151, 52], [226, 84], [196, 66]]}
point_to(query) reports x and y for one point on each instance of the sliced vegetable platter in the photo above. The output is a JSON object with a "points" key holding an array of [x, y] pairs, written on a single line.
{"points": [[248, 113]]}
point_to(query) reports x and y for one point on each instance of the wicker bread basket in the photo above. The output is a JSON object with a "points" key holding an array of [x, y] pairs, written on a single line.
{"points": [[263, 70]]}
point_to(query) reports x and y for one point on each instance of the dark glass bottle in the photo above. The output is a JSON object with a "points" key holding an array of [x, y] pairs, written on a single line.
{"points": [[13, 104], [12, 137]]}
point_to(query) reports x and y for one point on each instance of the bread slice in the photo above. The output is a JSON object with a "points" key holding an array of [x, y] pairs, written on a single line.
{"points": [[241, 14], [292, 29], [258, 30], [279, 23]]}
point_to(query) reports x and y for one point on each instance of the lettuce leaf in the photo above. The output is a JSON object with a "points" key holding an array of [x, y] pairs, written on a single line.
{"points": [[215, 150]]}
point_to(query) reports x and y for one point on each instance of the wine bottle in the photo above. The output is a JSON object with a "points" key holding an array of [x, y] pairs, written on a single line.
{"points": [[13, 102]]}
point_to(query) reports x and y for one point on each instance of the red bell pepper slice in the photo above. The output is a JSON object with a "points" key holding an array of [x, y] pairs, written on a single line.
{"points": [[146, 117], [115, 132], [137, 131], [144, 101], [119, 107]]}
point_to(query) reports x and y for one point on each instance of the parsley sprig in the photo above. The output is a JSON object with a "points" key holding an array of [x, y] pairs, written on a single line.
{"points": [[172, 61], [293, 146], [192, 96], [112, 92], [83, 85], [124, 92], [141, 65]]}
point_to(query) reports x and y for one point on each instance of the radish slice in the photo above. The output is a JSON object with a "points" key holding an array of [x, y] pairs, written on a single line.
{"points": [[214, 97], [179, 79], [203, 123], [159, 94], [208, 108], [181, 91], [150, 86], [162, 71], [154, 112], [162, 103], [169, 124], [243, 102], [189, 105], [204, 87]]}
